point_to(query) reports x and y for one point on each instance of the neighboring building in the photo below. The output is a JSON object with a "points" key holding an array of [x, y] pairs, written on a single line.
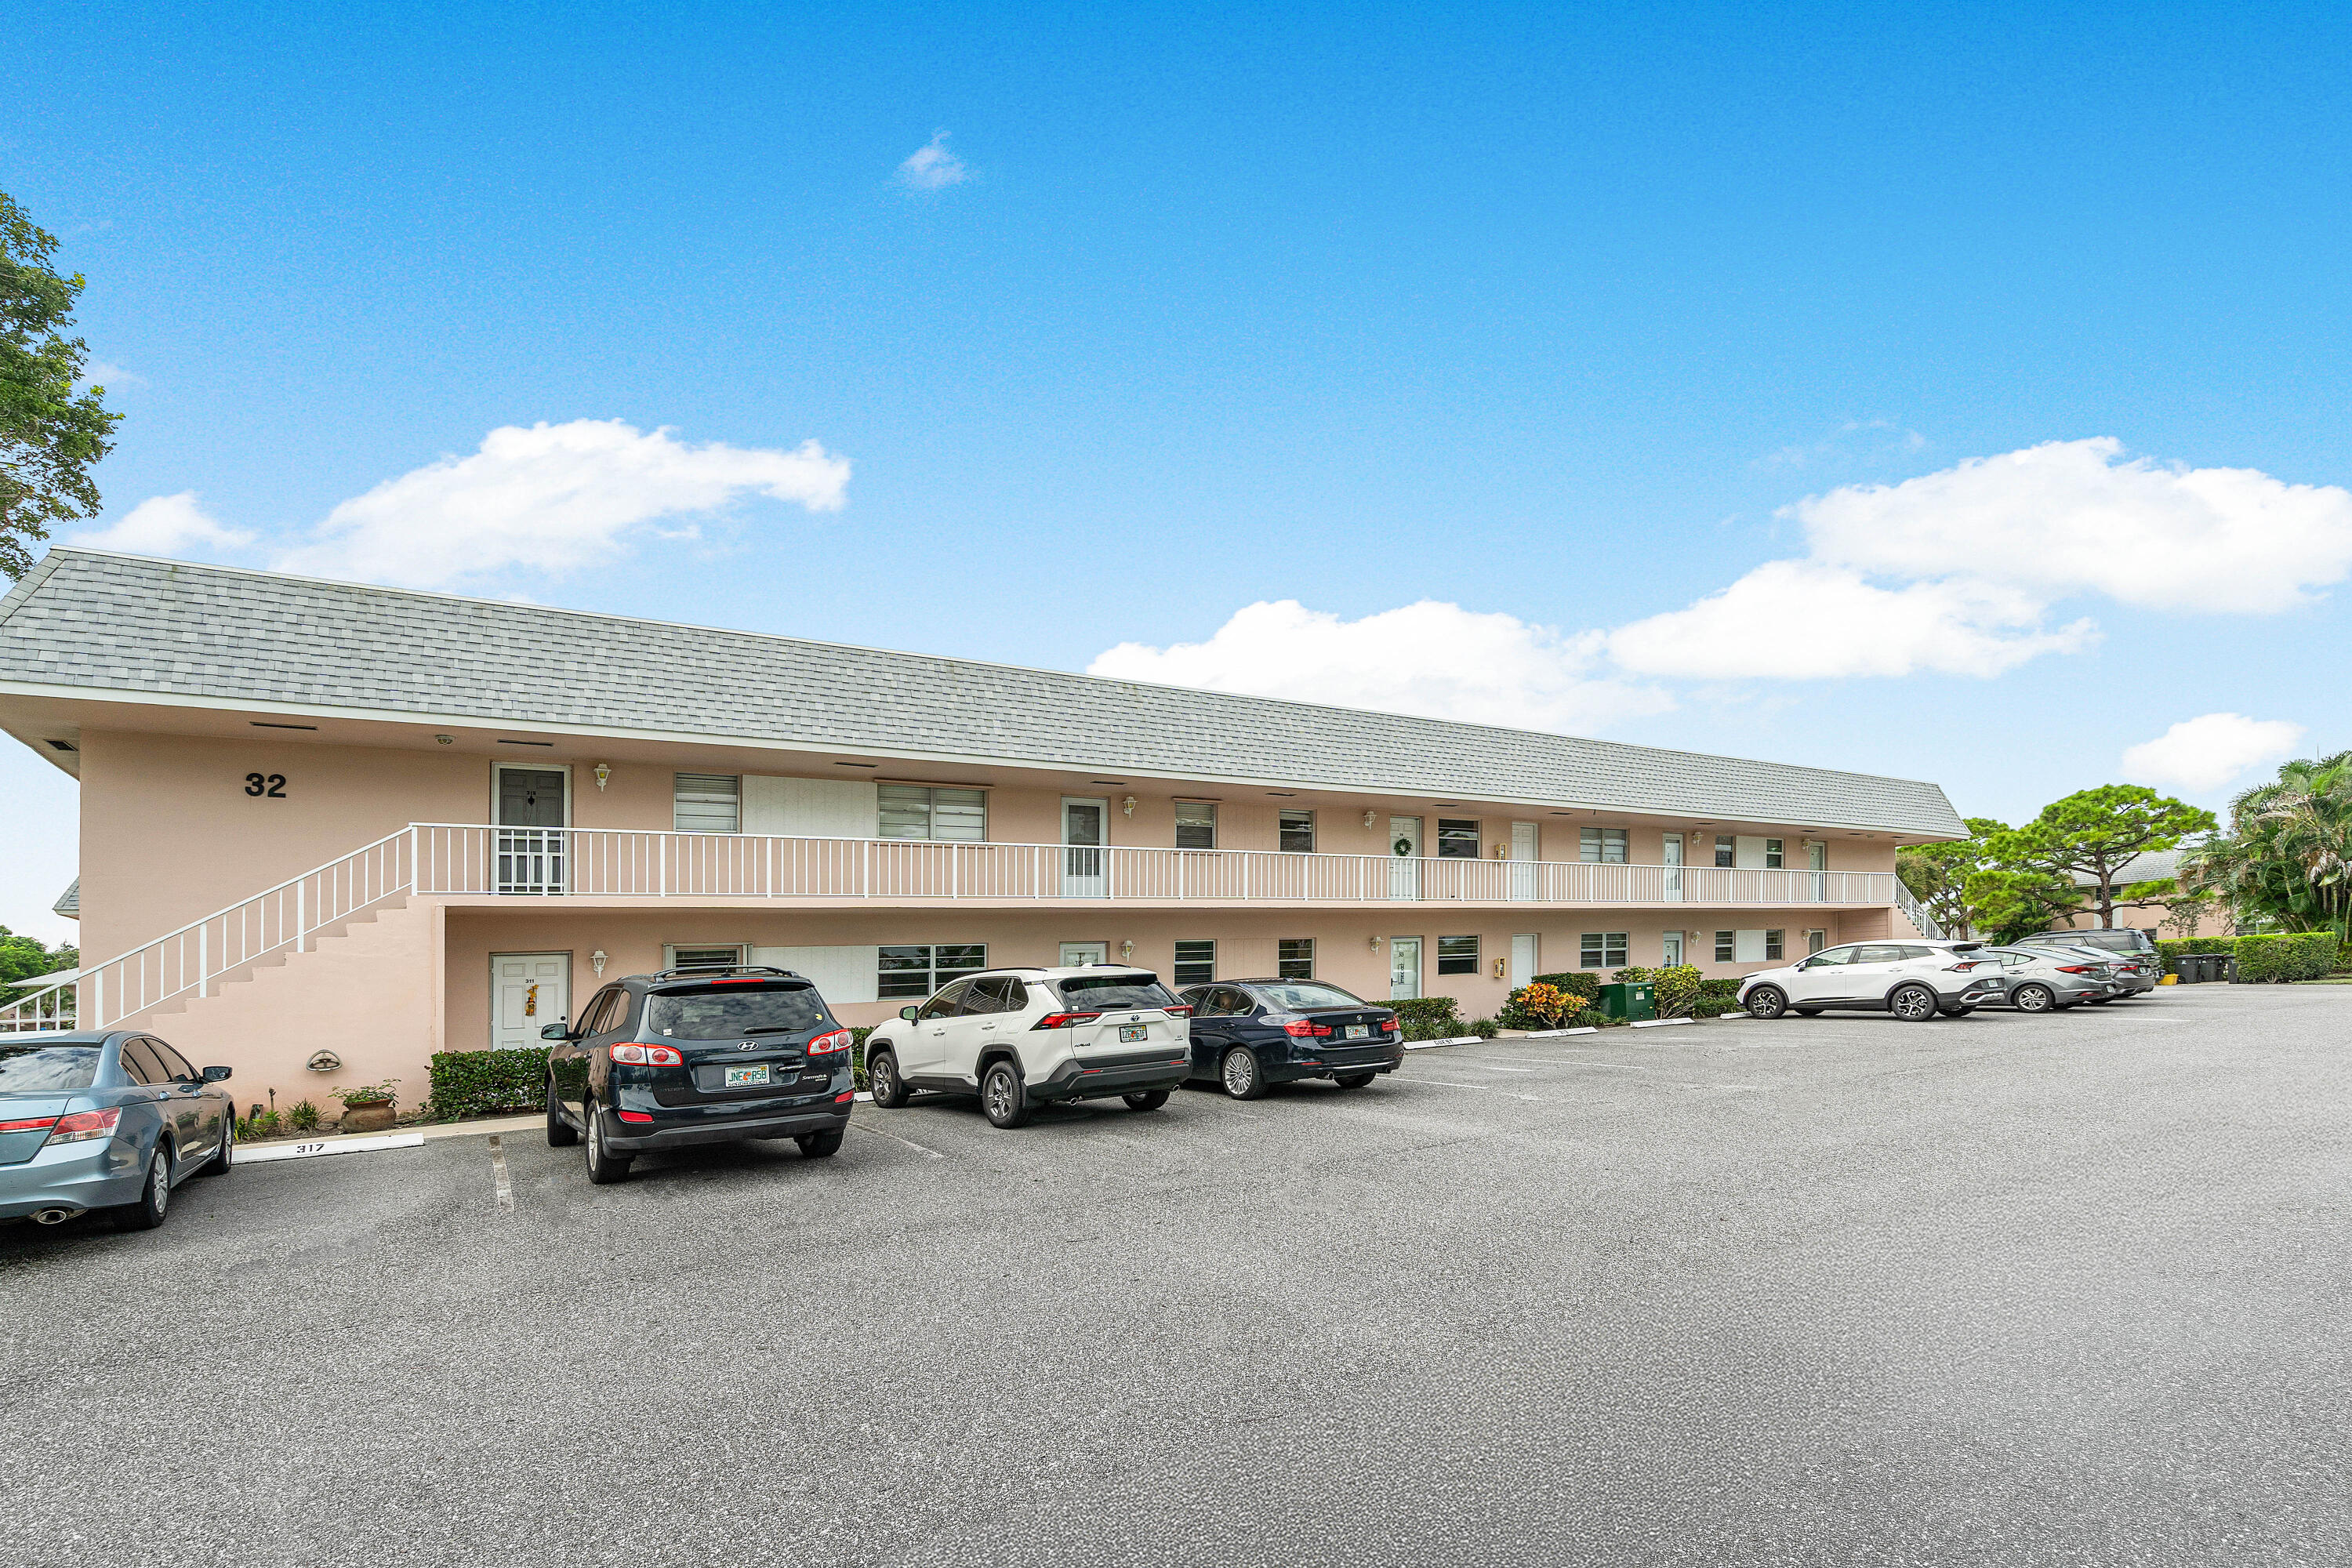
{"points": [[316, 815], [2163, 866]]}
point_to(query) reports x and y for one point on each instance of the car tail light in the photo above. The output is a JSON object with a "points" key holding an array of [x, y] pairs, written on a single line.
{"points": [[635, 1115], [29, 1124], [829, 1044], [2078, 969], [1178, 1011], [1964, 967], [1064, 1020], [743, 979], [1304, 1028], [648, 1055], [845, 1097], [84, 1125], [1391, 1025]]}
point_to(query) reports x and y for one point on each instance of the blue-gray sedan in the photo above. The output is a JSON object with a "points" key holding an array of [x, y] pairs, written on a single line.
{"points": [[106, 1120]]}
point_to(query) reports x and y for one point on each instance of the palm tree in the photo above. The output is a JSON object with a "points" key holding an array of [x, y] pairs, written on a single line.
{"points": [[2288, 853]]}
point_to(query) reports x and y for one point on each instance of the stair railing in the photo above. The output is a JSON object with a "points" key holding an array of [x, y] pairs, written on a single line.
{"points": [[187, 960]]}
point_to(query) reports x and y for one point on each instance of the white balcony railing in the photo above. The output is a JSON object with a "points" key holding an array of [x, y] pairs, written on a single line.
{"points": [[609, 862]]}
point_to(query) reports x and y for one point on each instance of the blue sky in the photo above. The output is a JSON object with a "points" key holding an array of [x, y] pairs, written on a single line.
{"points": [[1548, 323]]}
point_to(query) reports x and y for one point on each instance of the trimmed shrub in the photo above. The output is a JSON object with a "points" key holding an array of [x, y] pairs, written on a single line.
{"points": [[1484, 1029], [1592, 1018], [1583, 982], [1714, 1007], [1538, 1005], [1719, 986], [1430, 1017], [858, 1055], [2275, 960], [484, 1083]]}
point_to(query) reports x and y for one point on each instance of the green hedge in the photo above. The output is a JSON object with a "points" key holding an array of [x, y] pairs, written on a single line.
{"points": [[1725, 987], [2297, 956], [1584, 983], [2305, 955], [485, 1083], [1431, 1017], [1714, 1007]]}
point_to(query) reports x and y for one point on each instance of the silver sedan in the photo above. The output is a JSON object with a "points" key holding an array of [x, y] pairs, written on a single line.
{"points": [[2048, 979]]}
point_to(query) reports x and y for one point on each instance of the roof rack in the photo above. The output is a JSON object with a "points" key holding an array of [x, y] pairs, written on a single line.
{"points": [[705, 971]]}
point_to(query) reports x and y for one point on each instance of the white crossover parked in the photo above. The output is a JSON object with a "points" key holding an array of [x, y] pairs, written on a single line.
{"points": [[1914, 980], [1019, 1037]]}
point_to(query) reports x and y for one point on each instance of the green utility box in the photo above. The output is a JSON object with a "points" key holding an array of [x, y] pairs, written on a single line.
{"points": [[1630, 1000]]}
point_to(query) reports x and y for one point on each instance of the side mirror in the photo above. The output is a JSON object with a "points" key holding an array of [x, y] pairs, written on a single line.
{"points": [[908, 1014], [215, 1075], [556, 1032]]}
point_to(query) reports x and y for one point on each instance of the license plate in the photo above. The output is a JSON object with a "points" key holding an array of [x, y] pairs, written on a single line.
{"points": [[747, 1077], [1128, 1032], [1358, 1032]]}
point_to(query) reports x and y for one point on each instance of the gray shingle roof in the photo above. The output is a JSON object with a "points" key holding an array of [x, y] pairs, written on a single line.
{"points": [[68, 902], [96, 621]]}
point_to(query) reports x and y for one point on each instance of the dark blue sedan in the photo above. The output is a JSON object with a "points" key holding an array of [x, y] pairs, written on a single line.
{"points": [[1250, 1034], [106, 1120]]}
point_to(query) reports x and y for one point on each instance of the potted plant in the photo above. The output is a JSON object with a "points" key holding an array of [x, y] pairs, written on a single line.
{"points": [[368, 1107]]}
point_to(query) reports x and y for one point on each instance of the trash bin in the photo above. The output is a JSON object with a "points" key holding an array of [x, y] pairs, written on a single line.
{"points": [[2188, 969], [1630, 999]]}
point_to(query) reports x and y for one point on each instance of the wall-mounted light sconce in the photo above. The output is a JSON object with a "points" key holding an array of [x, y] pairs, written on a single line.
{"points": [[1126, 952], [1370, 817], [603, 774], [1498, 969], [446, 739], [596, 961], [1128, 805], [1375, 943]]}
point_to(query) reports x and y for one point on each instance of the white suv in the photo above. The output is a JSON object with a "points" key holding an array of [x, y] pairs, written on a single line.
{"points": [[1914, 980], [1019, 1037]]}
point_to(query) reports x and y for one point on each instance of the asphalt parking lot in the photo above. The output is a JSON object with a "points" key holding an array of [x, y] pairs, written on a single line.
{"points": [[2001, 1290]]}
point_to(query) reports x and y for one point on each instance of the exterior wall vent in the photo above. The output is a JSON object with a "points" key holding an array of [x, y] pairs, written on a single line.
{"points": [[65, 745]]}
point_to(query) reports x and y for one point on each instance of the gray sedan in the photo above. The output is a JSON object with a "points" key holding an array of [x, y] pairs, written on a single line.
{"points": [[2047, 979], [105, 1120]]}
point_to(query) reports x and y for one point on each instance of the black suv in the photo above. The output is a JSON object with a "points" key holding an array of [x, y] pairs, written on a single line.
{"points": [[698, 1055], [1250, 1034]]}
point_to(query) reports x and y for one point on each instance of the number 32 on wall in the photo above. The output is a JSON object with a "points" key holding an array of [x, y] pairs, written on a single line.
{"points": [[271, 787]]}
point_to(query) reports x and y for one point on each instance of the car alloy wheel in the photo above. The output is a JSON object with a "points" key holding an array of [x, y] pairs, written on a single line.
{"points": [[1766, 1002], [1912, 1004], [603, 1168], [2034, 999], [225, 1155], [882, 1081], [1241, 1076], [1001, 1096], [154, 1194]]}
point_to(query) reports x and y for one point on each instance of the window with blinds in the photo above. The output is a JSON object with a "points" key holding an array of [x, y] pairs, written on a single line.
{"points": [[1295, 958], [929, 811], [1196, 962], [710, 803], [1600, 846], [916, 972], [1196, 825]]}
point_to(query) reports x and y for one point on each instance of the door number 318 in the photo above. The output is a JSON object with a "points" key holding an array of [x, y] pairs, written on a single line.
{"points": [[272, 785]]}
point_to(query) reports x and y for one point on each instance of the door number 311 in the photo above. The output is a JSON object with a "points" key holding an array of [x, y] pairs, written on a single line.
{"points": [[272, 785]]}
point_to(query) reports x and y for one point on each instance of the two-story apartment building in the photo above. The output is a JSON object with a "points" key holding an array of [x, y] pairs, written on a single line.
{"points": [[324, 817]]}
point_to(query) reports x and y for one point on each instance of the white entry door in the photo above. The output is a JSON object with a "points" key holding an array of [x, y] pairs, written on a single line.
{"points": [[528, 991], [1404, 870], [1077, 952], [1084, 874], [1672, 953], [1817, 860], [1404, 968], [1524, 949], [1523, 860], [1673, 847]]}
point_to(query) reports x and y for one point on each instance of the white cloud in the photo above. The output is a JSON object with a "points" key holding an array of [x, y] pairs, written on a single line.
{"points": [[1957, 572], [2066, 517], [1432, 658], [105, 372], [932, 167], [1800, 620], [166, 525], [2202, 754], [549, 498]]}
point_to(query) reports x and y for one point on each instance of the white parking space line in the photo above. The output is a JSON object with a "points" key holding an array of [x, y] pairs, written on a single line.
{"points": [[1577, 1062], [1484, 1067], [917, 1148], [499, 1175], [1481, 1087]]}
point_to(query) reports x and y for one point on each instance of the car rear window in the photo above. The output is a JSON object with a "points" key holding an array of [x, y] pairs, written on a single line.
{"points": [[1115, 991], [717, 1013], [1304, 998], [47, 1070]]}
